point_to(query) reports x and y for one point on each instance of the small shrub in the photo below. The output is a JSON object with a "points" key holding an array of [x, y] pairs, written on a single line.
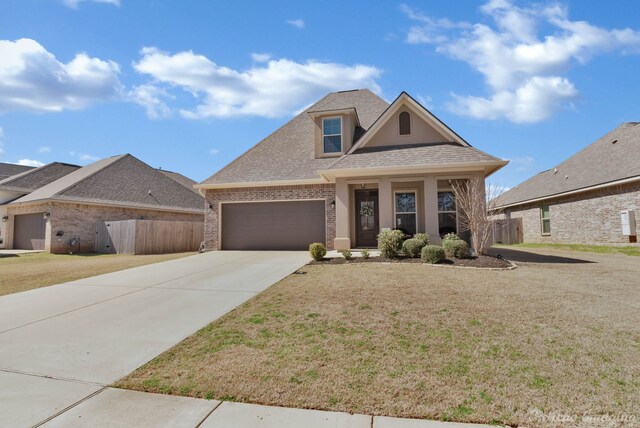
{"points": [[456, 248], [432, 254], [365, 254], [412, 247], [450, 237], [390, 242], [346, 254], [317, 251], [423, 237]]}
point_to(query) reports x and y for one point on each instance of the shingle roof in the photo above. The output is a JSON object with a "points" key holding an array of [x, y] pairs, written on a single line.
{"points": [[412, 155], [9, 169], [33, 179], [119, 180], [599, 163], [182, 179], [289, 153]]}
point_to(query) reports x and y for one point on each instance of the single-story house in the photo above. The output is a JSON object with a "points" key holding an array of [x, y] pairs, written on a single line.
{"points": [[57, 207], [338, 173], [586, 198]]}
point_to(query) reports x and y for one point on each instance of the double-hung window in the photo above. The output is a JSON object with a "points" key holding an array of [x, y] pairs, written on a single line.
{"points": [[447, 218], [545, 220], [405, 211], [332, 135]]}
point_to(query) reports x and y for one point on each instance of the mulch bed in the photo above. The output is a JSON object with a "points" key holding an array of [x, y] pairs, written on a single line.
{"points": [[477, 262]]}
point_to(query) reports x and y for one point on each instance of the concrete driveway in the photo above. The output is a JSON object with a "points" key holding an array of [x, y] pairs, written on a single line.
{"points": [[61, 344]]}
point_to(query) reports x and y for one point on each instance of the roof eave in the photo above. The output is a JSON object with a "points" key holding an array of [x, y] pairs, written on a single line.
{"points": [[109, 204], [488, 167], [210, 186], [571, 192]]}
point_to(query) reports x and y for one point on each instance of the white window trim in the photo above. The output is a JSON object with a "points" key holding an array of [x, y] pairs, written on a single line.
{"points": [[542, 219], [395, 212], [449, 212], [333, 135], [410, 124]]}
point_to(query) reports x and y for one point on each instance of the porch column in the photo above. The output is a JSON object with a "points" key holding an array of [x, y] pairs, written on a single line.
{"points": [[342, 240], [431, 209], [385, 202]]}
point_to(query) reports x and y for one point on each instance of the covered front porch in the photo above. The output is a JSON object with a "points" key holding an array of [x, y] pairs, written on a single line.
{"points": [[365, 206]]}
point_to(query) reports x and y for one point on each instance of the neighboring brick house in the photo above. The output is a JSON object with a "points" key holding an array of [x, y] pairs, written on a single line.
{"points": [[58, 205], [341, 171], [582, 199]]}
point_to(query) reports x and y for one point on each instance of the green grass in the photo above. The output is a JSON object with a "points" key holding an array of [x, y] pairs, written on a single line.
{"points": [[628, 250]]}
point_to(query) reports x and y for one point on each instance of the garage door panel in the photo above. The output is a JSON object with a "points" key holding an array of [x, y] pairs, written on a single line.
{"points": [[290, 225], [29, 231]]}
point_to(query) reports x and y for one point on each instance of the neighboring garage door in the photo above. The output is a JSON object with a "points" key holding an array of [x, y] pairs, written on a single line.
{"points": [[29, 231], [290, 225]]}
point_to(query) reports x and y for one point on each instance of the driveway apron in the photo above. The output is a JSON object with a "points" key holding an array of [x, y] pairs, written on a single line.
{"points": [[61, 344]]}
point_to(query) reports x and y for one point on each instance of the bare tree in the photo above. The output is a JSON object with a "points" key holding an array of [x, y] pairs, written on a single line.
{"points": [[474, 201]]}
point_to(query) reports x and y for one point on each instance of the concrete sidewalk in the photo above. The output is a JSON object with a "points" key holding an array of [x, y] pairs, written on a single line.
{"points": [[61, 344], [122, 408]]}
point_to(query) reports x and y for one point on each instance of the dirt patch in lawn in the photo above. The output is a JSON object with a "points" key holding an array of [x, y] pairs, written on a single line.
{"points": [[28, 271], [477, 262], [547, 340]]}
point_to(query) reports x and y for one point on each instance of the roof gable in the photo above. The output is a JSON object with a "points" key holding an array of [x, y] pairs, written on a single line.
{"points": [[425, 127]]}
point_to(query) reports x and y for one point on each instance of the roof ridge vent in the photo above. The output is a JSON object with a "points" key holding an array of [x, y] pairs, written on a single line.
{"points": [[614, 141], [555, 170]]}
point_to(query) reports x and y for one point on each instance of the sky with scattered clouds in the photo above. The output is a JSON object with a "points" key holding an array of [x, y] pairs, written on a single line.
{"points": [[188, 86]]}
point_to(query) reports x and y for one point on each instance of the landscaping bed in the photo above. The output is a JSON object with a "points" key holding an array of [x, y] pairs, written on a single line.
{"points": [[477, 262], [550, 341]]}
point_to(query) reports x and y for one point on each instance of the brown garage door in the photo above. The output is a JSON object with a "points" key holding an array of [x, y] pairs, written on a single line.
{"points": [[272, 225], [29, 231]]}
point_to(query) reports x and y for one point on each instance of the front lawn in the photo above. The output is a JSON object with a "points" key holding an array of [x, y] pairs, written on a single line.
{"points": [[35, 270], [408, 340], [629, 250]]}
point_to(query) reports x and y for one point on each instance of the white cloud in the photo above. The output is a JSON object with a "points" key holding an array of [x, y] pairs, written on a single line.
{"points": [[30, 162], [260, 57], [84, 157], [75, 3], [32, 79], [522, 163], [298, 23], [214, 152], [151, 98], [276, 88], [523, 54], [44, 149]]}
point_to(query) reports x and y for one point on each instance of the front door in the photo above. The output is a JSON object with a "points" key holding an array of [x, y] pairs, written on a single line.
{"points": [[366, 218]]}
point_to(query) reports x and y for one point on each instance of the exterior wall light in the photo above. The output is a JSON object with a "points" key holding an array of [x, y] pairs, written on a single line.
{"points": [[333, 204], [46, 216], [5, 218]]}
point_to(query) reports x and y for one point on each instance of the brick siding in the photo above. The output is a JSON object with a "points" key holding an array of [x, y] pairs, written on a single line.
{"points": [[79, 221], [583, 218], [274, 193]]}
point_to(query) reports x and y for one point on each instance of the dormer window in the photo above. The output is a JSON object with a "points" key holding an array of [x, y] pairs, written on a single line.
{"points": [[332, 134], [404, 122]]}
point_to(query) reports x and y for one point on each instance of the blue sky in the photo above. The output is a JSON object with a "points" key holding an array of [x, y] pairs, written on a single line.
{"points": [[188, 86]]}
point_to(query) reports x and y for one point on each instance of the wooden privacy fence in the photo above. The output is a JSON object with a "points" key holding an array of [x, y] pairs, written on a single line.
{"points": [[507, 231], [148, 236]]}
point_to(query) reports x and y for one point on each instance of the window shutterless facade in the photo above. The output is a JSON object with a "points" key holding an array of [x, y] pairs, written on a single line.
{"points": [[406, 215], [447, 214], [332, 135], [545, 220]]}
